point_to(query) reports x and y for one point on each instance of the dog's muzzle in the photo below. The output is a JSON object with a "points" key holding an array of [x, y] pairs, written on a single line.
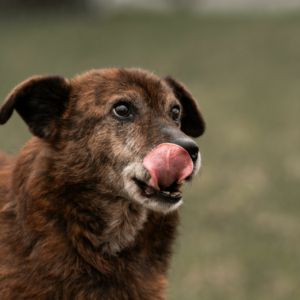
{"points": [[168, 164], [156, 181]]}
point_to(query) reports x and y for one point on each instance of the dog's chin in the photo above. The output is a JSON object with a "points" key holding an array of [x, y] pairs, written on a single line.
{"points": [[135, 185], [159, 201]]}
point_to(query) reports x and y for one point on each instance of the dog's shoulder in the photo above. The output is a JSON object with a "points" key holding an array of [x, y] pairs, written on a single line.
{"points": [[4, 159], [6, 163]]}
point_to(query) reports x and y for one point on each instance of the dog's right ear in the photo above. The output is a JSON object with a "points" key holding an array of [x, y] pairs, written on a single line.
{"points": [[40, 101], [192, 122]]}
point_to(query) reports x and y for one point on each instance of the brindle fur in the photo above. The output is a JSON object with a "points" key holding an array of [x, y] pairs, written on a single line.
{"points": [[67, 229]]}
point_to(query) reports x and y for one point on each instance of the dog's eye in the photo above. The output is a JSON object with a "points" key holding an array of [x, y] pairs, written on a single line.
{"points": [[175, 113], [122, 110]]}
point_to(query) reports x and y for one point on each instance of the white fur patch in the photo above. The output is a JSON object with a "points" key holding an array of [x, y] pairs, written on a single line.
{"points": [[197, 164]]}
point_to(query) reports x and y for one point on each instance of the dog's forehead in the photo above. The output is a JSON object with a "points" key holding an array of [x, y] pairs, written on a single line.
{"points": [[100, 86]]}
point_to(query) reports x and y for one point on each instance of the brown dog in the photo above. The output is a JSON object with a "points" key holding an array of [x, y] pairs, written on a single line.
{"points": [[88, 207]]}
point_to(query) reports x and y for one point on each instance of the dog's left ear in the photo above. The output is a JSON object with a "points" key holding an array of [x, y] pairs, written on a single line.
{"points": [[192, 122], [40, 101]]}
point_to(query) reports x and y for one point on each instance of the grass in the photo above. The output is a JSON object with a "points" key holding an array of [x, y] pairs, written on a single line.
{"points": [[239, 238]]}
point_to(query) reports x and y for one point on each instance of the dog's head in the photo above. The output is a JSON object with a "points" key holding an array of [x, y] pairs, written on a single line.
{"points": [[123, 132]]}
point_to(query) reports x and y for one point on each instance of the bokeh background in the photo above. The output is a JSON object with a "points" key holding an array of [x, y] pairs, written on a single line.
{"points": [[240, 231]]}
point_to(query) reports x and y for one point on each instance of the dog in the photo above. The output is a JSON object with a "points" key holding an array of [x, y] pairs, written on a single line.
{"points": [[89, 207]]}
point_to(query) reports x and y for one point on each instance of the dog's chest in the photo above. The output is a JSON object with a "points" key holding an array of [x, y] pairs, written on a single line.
{"points": [[110, 289], [137, 269]]}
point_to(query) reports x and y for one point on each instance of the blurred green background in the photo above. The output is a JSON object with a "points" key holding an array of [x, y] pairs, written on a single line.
{"points": [[240, 231]]}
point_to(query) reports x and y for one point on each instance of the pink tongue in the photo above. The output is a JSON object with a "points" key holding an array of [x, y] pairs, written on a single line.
{"points": [[168, 163]]}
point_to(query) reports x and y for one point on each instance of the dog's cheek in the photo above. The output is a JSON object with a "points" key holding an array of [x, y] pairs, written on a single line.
{"points": [[113, 148], [105, 158]]}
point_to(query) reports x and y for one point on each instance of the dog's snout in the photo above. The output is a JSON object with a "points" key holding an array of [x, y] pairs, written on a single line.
{"points": [[176, 137], [190, 146]]}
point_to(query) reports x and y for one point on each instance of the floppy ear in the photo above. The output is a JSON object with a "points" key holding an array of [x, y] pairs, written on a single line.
{"points": [[40, 101], [192, 122]]}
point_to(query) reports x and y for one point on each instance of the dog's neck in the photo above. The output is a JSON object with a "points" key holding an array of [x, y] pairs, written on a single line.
{"points": [[109, 228], [101, 222]]}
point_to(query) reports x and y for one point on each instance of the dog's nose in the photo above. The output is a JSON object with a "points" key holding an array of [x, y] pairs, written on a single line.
{"points": [[190, 146], [177, 137]]}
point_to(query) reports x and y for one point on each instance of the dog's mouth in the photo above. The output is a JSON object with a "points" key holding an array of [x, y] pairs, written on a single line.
{"points": [[157, 182], [170, 195]]}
